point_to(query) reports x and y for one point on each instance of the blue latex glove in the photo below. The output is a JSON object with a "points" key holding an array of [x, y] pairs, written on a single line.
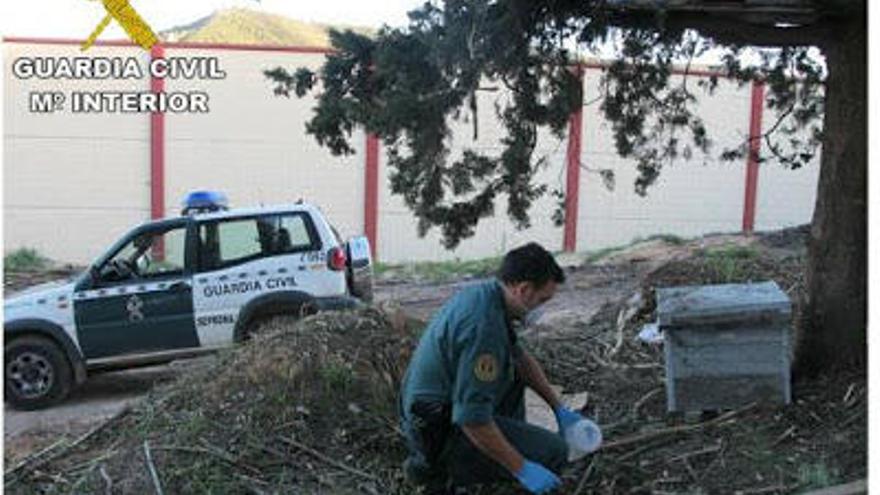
{"points": [[565, 417], [536, 478]]}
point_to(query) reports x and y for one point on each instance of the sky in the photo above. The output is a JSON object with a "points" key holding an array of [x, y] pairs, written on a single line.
{"points": [[77, 18]]}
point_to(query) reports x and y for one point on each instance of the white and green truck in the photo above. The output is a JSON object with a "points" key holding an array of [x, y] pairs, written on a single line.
{"points": [[175, 288]]}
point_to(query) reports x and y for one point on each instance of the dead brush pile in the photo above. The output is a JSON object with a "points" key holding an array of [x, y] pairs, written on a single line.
{"points": [[310, 407], [818, 441], [306, 407]]}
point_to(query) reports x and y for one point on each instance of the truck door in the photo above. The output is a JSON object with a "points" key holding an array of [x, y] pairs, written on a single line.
{"points": [[140, 298]]}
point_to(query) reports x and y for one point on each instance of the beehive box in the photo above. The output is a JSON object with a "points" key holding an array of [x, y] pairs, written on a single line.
{"points": [[726, 345]]}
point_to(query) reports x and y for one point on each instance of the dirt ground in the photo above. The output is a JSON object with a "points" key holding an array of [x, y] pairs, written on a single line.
{"points": [[586, 340], [108, 393]]}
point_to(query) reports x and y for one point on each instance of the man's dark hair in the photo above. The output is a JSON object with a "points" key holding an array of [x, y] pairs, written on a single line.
{"points": [[530, 263]]}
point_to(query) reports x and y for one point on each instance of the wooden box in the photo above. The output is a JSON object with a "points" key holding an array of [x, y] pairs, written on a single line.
{"points": [[726, 345]]}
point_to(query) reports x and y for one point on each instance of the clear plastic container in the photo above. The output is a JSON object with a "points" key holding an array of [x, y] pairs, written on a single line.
{"points": [[583, 437]]}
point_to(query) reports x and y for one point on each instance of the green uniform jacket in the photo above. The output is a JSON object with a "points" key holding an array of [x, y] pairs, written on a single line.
{"points": [[465, 357]]}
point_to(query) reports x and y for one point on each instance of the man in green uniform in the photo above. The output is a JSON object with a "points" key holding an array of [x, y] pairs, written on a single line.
{"points": [[462, 400]]}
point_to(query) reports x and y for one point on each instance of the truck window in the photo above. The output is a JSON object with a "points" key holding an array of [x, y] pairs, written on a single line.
{"points": [[225, 243], [239, 241], [151, 254], [293, 235]]}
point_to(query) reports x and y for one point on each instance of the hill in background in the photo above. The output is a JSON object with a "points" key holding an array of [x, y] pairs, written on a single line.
{"points": [[238, 25]]}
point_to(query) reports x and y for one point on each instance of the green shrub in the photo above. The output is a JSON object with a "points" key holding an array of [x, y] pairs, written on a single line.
{"points": [[730, 262], [25, 259], [442, 271]]}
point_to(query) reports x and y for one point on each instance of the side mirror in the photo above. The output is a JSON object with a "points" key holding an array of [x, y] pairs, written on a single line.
{"points": [[89, 280], [94, 276]]}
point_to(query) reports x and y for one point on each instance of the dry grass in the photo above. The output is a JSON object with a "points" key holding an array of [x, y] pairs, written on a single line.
{"points": [[820, 440], [288, 413], [310, 407]]}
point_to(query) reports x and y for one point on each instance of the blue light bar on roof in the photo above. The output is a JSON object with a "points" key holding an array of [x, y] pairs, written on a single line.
{"points": [[204, 201]]}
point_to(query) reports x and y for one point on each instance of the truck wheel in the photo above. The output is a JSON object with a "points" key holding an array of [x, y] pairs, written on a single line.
{"points": [[36, 373]]}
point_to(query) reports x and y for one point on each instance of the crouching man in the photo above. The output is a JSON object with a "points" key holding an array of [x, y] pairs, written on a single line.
{"points": [[462, 400]]}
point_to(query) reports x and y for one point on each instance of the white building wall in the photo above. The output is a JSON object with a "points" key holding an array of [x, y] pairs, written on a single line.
{"points": [[253, 144], [785, 197], [691, 197], [398, 235], [72, 182]]}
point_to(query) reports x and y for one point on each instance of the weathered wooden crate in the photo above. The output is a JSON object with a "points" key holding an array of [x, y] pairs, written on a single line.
{"points": [[726, 345]]}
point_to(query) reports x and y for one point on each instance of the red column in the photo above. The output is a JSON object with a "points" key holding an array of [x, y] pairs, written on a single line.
{"points": [[371, 193], [573, 176], [157, 154], [748, 223], [157, 145]]}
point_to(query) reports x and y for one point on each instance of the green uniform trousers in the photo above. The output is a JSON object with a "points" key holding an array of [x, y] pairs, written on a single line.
{"points": [[459, 463]]}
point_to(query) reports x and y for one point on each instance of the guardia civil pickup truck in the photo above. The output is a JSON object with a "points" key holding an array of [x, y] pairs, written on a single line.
{"points": [[176, 288]]}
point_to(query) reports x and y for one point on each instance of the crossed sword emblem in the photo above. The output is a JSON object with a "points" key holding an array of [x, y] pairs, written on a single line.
{"points": [[136, 28], [134, 305]]}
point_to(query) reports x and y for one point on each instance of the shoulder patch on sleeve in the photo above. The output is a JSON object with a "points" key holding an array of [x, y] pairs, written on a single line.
{"points": [[486, 368]]}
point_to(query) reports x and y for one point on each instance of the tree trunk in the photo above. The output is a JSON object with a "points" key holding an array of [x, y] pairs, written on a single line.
{"points": [[833, 331]]}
